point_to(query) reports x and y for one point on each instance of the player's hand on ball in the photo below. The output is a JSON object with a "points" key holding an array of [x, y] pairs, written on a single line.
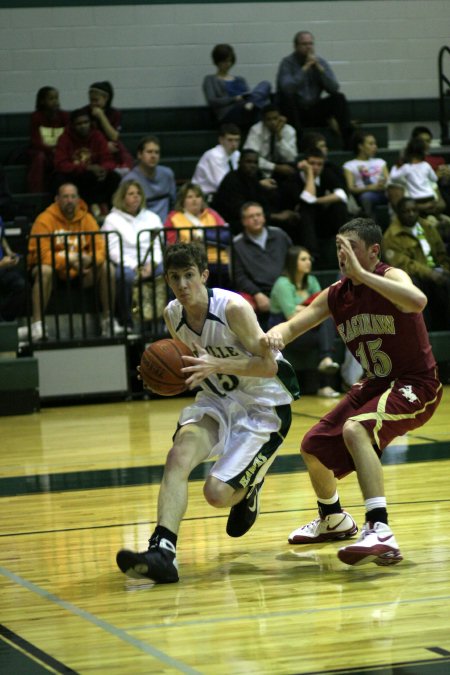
{"points": [[139, 377], [199, 367]]}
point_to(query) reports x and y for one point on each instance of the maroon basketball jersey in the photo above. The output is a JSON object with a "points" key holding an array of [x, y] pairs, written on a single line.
{"points": [[387, 342]]}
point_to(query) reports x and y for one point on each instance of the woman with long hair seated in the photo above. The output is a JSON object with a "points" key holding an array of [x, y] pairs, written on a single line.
{"points": [[142, 253], [194, 220], [229, 96], [291, 293], [366, 174]]}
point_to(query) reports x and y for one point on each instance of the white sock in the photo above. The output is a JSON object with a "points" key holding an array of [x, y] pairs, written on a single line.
{"points": [[375, 503], [332, 499]]}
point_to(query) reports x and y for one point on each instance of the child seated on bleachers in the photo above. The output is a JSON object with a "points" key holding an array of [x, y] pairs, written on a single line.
{"points": [[415, 177]]}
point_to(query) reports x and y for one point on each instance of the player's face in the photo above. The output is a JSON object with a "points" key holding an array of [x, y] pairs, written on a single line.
{"points": [[187, 284], [365, 255]]}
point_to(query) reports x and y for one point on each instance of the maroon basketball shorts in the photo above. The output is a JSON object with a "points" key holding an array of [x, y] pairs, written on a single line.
{"points": [[385, 409]]}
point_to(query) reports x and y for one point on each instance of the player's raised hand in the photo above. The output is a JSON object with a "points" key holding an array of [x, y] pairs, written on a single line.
{"points": [[348, 262]]}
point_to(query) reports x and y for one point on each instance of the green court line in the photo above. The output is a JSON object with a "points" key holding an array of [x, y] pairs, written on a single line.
{"points": [[17, 656], [151, 475], [37, 4]]}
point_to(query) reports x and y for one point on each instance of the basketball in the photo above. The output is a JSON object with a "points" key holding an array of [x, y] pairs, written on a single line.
{"points": [[161, 365]]}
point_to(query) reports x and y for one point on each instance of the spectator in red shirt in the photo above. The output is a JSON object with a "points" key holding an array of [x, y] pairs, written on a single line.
{"points": [[108, 120], [82, 157], [47, 125]]}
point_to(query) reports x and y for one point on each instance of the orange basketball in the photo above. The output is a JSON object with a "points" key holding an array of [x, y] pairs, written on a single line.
{"points": [[161, 365]]}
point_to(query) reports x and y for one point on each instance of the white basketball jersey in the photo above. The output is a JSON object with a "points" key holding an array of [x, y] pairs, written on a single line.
{"points": [[218, 340]]}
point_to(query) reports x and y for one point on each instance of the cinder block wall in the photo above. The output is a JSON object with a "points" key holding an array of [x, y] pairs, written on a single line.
{"points": [[157, 55]]}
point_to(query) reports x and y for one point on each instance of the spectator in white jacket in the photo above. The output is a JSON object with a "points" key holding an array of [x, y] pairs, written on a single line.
{"points": [[139, 239]]}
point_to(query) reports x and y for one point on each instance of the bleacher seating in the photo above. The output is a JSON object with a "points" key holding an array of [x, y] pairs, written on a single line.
{"points": [[185, 134]]}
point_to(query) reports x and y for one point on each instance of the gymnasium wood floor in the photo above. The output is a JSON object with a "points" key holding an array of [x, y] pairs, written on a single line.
{"points": [[78, 483]]}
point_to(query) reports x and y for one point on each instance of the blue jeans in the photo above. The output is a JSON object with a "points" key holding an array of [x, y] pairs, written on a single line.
{"points": [[259, 96], [369, 200]]}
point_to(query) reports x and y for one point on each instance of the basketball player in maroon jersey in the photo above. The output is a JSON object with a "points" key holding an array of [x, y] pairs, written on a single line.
{"points": [[378, 314]]}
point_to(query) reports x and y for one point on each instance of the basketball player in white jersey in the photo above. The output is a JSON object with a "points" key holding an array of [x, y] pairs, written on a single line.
{"points": [[241, 414]]}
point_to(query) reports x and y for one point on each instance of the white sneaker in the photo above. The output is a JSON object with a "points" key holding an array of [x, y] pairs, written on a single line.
{"points": [[117, 329], [328, 392], [37, 332], [332, 527], [376, 544], [328, 366]]}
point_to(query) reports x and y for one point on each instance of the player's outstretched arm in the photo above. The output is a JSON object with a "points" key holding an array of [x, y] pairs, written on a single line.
{"points": [[283, 333]]}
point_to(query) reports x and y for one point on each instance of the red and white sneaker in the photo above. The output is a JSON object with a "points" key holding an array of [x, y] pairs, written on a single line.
{"points": [[333, 527], [376, 544]]}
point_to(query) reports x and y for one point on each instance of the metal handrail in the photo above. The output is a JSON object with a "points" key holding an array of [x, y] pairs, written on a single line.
{"points": [[443, 94]]}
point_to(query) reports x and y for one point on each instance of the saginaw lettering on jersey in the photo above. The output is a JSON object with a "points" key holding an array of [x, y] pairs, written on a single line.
{"points": [[367, 324]]}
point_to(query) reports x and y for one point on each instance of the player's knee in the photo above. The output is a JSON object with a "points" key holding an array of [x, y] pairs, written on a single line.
{"points": [[351, 432], [307, 445], [217, 493], [304, 452]]}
